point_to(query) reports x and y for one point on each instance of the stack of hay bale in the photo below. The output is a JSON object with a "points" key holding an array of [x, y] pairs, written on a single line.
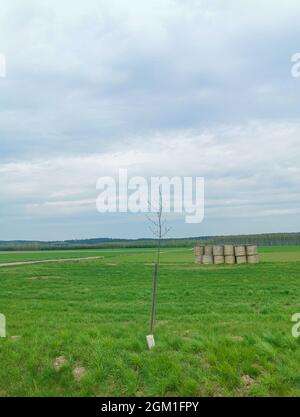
{"points": [[252, 255], [199, 252], [218, 253], [240, 254], [229, 253], [226, 254], [208, 255]]}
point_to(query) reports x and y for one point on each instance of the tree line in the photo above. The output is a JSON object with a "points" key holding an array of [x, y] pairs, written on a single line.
{"points": [[266, 239]]}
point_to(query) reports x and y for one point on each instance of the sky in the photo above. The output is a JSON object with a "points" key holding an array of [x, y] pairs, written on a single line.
{"points": [[161, 87]]}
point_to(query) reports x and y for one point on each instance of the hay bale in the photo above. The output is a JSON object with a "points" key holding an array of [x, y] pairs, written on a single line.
{"points": [[219, 259], [230, 259], [198, 250], [208, 250], [251, 250], [228, 250], [240, 250], [207, 259], [241, 259], [198, 259], [218, 250], [253, 259]]}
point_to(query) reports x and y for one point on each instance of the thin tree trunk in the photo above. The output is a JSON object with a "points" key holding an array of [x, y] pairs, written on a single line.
{"points": [[154, 293]]}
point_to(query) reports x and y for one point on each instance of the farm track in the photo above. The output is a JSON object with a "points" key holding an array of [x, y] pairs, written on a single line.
{"points": [[48, 261]]}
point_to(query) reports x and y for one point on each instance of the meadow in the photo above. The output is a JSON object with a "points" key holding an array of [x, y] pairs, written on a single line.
{"points": [[220, 330]]}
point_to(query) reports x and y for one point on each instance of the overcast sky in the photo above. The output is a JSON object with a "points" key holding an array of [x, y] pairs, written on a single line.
{"points": [[161, 87]]}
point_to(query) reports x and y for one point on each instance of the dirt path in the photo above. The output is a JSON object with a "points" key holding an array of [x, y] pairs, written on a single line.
{"points": [[49, 260]]}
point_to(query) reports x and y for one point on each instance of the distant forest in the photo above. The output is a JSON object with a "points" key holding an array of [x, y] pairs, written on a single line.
{"points": [[266, 239]]}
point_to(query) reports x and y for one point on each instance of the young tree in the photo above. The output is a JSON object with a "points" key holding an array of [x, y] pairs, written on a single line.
{"points": [[159, 229]]}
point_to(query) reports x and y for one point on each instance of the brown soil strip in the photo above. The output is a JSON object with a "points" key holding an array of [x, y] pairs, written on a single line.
{"points": [[49, 260]]}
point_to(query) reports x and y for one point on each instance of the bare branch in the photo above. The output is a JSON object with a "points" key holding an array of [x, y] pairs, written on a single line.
{"points": [[154, 232], [151, 220]]}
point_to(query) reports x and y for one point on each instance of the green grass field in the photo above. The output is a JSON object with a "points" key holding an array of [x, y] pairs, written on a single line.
{"points": [[221, 330]]}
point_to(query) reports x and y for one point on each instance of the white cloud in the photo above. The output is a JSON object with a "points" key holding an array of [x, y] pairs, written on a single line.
{"points": [[247, 168]]}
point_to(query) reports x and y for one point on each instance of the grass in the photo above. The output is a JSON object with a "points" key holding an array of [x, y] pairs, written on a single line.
{"points": [[221, 330]]}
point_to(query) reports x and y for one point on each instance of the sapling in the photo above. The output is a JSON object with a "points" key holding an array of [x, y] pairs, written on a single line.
{"points": [[159, 229]]}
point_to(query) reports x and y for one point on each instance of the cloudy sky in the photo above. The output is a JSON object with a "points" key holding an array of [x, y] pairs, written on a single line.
{"points": [[161, 87]]}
